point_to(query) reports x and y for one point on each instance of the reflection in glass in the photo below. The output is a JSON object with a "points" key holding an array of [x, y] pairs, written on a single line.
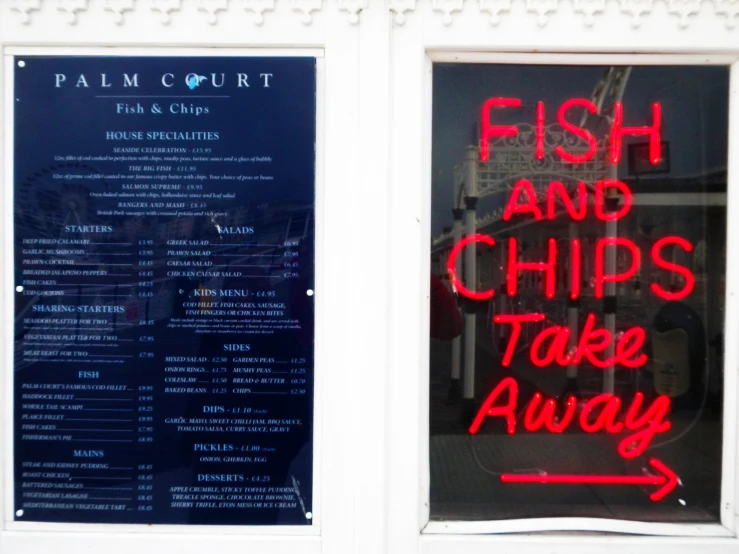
{"points": [[587, 377]]}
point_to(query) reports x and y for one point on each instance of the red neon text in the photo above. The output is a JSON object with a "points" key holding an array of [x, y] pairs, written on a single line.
{"points": [[514, 266], [515, 321], [523, 200], [452, 267], [617, 132], [525, 188], [680, 270], [558, 189], [575, 269], [550, 345], [598, 414], [490, 132], [600, 275], [577, 131]]}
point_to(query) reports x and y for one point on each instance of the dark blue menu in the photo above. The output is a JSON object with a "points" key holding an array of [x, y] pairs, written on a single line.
{"points": [[164, 270]]}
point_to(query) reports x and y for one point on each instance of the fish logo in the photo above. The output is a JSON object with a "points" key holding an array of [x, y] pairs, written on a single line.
{"points": [[193, 80]]}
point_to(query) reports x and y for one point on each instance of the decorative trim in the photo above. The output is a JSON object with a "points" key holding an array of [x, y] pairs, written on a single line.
{"points": [[259, 7], [306, 7], [118, 7], [164, 7], [590, 8], [542, 9], [636, 8], [25, 7], [354, 7], [212, 7], [684, 9], [71, 7], [399, 7], [447, 7], [495, 8], [730, 8]]}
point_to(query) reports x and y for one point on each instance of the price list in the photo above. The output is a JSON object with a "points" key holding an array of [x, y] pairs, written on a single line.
{"points": [[164, 274]]}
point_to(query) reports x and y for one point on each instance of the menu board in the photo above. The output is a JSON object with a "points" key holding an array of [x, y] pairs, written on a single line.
{"points": [[164, 272]]}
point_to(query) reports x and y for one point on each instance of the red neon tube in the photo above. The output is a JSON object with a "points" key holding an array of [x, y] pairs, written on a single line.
{"points": [[490, 131], [617, 132], [577, 131], [451, 267]]}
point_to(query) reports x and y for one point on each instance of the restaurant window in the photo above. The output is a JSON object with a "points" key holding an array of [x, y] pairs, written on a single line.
{"points": [[578, 263]]}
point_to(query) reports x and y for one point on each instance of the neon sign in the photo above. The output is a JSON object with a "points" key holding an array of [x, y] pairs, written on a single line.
{"points": [[591, 342], [618, 131], [600, 413], [639, 424], [668, 480], [600, 276]]}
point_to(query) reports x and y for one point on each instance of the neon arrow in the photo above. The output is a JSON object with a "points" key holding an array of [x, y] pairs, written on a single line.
{"points": [[667, 479]]}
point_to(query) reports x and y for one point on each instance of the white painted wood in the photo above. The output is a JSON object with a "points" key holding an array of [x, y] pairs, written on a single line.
{"points": [[578, 524], [469, 45], [14, 56], [334, 480], [6, 299], [343, 451], [110, 542], [571, 543], [373, 234], [730, 470], [410, 228], [594, 58], [371, 238]]}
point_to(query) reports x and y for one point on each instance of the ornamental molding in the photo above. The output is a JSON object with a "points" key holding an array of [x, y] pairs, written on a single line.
{"points": [[25, 8], [117, 8], [70, 9], [166, 10], [306, 7], [729, 9], [354, 8], [258, 7], [682, 12], [399, 7], [211, 8], [447, 9]]}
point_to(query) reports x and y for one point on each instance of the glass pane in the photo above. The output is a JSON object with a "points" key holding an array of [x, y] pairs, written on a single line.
{"points": [[164, 263], [577, 275]]}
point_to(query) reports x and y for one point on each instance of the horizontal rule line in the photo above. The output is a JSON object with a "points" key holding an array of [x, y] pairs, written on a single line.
{"points": [[105, 478], [109, 399], [95, 419], [193, 97], [100, 440], [99, 430]]}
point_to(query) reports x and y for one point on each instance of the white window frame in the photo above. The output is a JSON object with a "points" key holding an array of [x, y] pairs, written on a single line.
{"points": [[420, 38], [194, 28], [372, 238], [13, 55]]}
